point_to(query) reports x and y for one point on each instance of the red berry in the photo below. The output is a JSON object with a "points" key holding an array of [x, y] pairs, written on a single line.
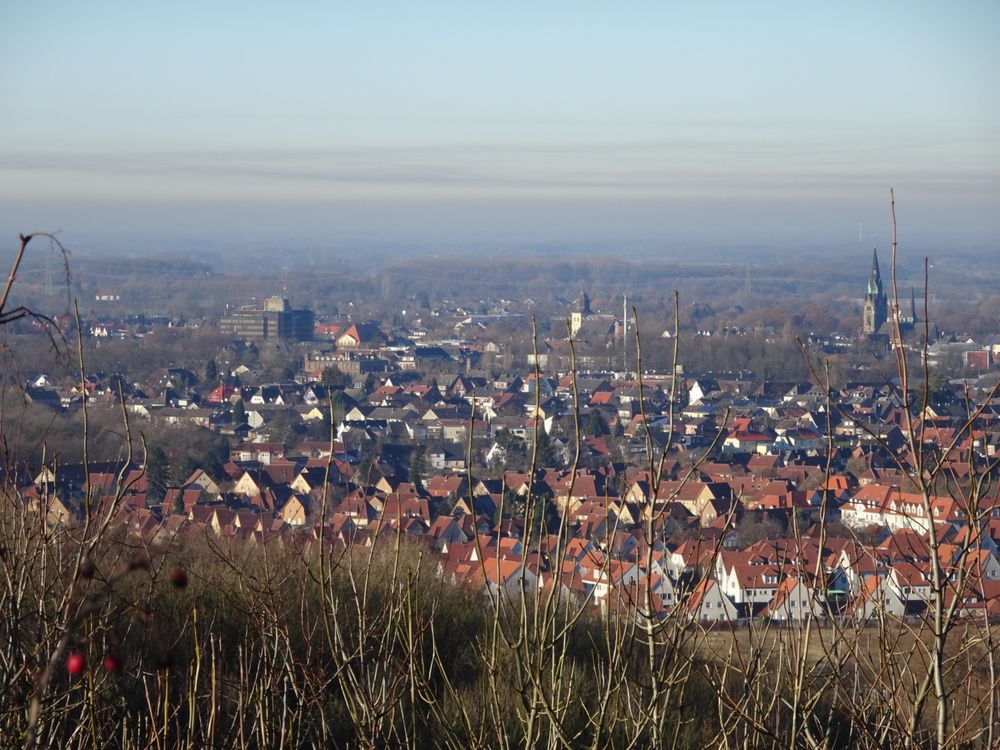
{"points": [[76, 662], [179, 577], [112, 664]]}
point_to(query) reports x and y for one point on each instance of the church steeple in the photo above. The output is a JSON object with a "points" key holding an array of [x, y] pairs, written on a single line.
{"points": [[909, 320], [875, 280], [577, 317], [876, 308]]}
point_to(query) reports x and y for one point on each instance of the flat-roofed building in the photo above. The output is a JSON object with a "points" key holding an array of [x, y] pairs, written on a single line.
{"points": [[276, 321]]}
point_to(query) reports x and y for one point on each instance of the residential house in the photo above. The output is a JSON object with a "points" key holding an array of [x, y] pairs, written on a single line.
{"points": [[708, 603]]}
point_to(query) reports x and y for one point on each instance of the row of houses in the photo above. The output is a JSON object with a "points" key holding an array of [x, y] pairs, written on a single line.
{"points": [[595, 547]]}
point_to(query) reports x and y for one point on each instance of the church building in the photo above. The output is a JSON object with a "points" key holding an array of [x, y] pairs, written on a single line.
{"points": [[876, 307], [875, 315]]}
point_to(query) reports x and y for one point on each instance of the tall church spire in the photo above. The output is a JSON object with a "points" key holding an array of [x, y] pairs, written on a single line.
{"points": [[876, 307], [875, 280]]}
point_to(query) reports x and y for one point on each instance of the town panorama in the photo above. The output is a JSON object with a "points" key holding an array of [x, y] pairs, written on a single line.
{"points": [[500, 375], [740, 459]]}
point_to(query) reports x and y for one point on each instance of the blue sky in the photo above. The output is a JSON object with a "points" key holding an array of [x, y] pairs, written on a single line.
{"points": [[769, 123]]}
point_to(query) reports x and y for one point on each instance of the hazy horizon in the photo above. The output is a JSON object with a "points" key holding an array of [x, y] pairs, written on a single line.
{"points": [[447, 124]]}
